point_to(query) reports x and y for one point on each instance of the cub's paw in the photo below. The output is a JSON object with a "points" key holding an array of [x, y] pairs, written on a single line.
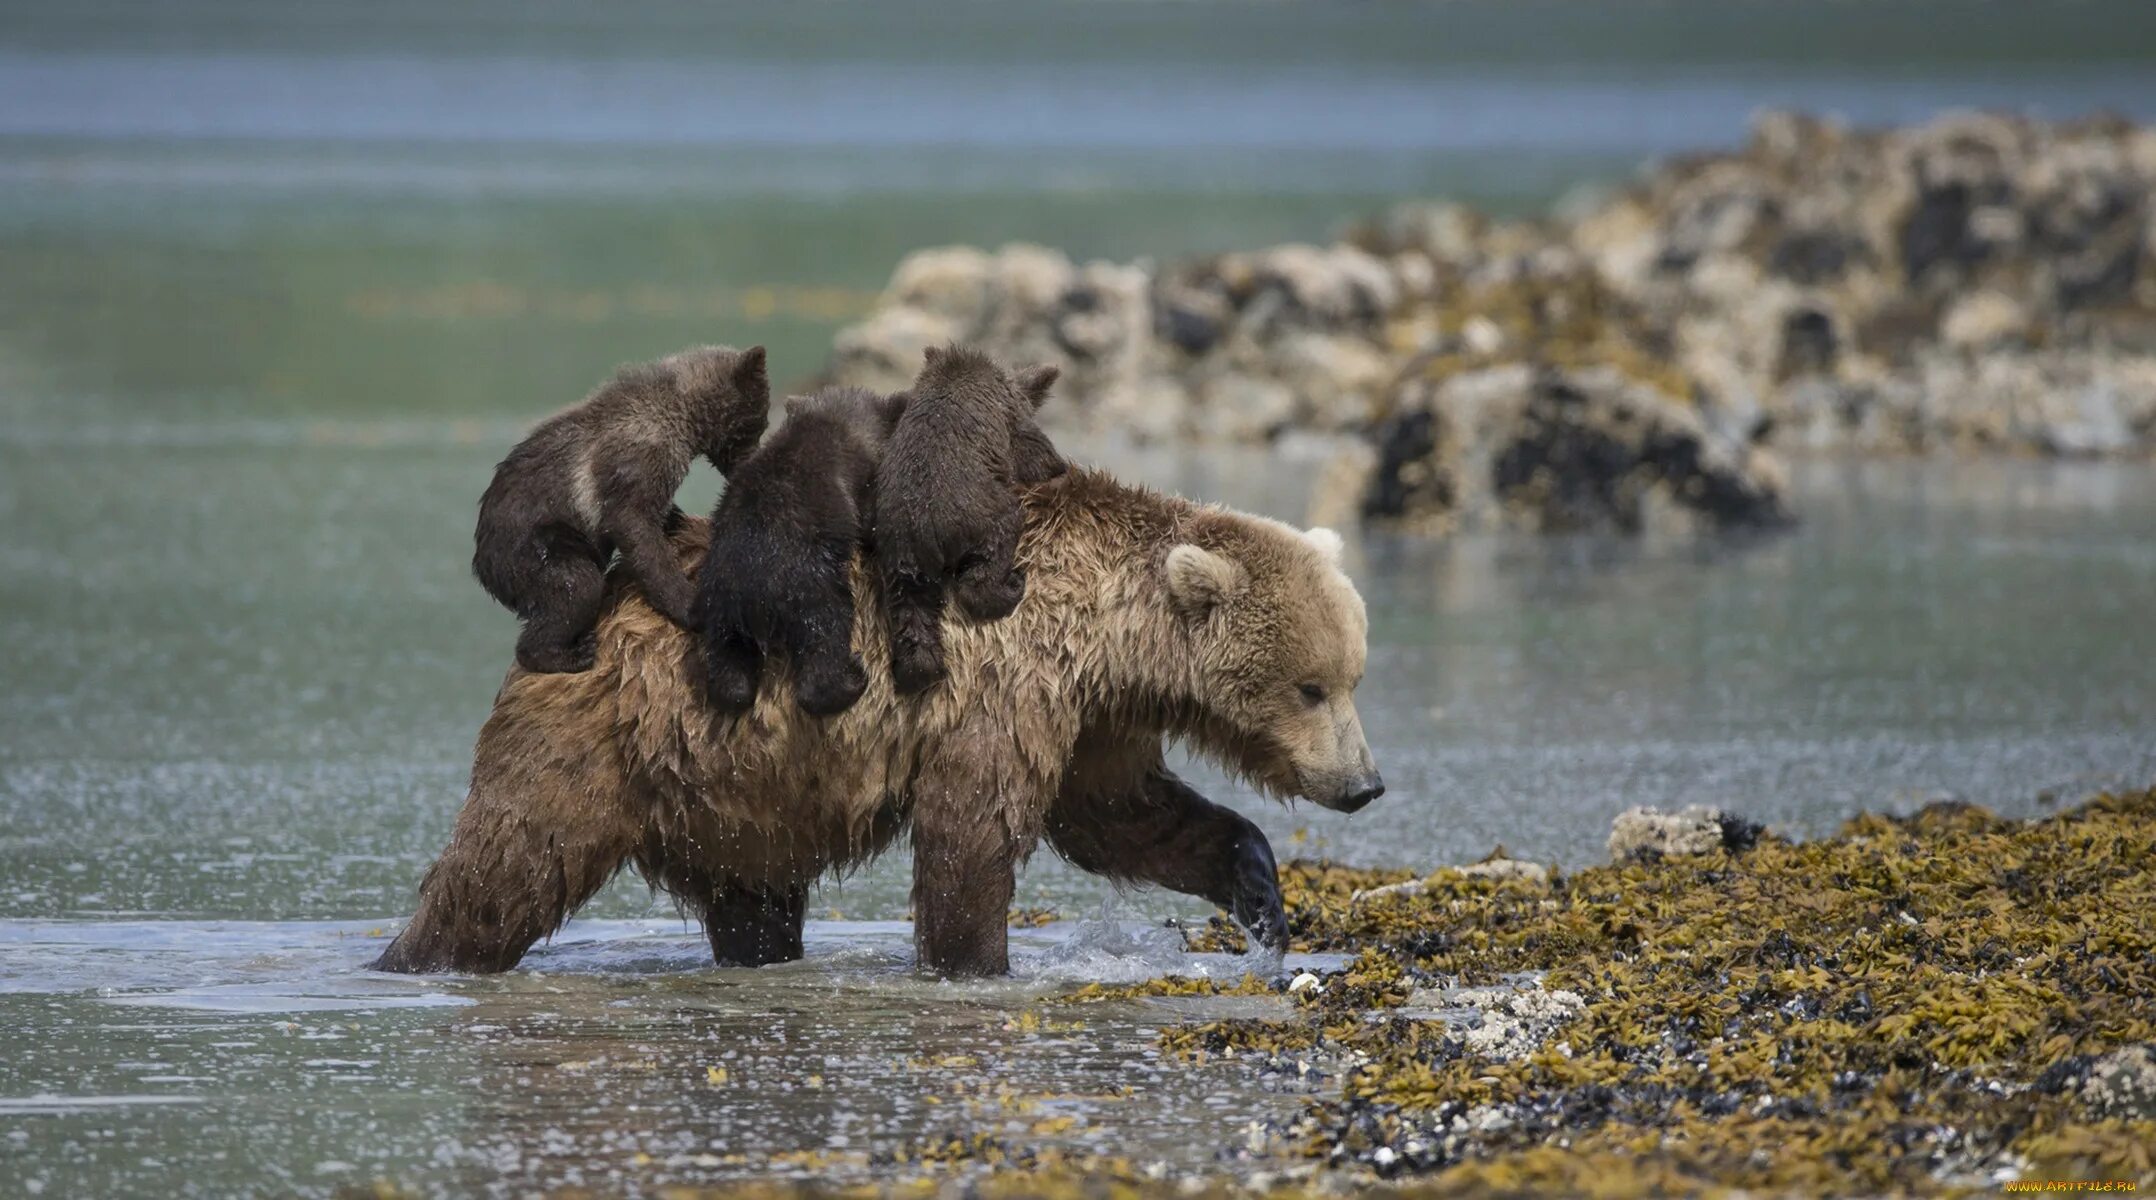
{"points": [[730, 689], [915, 669], [827, 689], [558, 658], [990, 599]]}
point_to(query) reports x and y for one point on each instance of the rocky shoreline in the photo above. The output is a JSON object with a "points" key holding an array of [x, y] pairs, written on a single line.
{"points": [[1918, 1005], [1980, 283], [1926, 1005]]}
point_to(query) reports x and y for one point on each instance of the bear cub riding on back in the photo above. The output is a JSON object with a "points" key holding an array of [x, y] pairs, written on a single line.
{"points": [[600, 478], [922, 479]]}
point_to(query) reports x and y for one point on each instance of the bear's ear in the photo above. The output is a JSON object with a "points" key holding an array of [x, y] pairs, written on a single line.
{"points": [[1034, 382], [750, 367], [1327, 543], [933, 355], [893, 406], [1200, 581]]}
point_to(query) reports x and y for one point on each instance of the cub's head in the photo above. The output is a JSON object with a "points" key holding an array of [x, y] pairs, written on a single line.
{"points": [[728, 393], [864, 416], [972, 377], [1276, 637]]}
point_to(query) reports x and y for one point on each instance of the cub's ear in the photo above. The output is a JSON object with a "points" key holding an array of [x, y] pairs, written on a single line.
{"points": [[893, 406], [932, 355], [1200, 581], [1327, 543], [1034, 382], [751, 365]]}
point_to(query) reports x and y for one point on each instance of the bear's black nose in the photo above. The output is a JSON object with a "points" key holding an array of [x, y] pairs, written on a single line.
{"points": [[1361, 790]]}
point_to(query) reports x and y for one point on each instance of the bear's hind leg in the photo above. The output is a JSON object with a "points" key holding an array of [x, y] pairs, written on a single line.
{"points": [[560, 615], [544, 826]]}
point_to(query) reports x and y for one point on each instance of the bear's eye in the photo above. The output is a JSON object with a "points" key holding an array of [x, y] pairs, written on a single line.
{"points": [[1312, 693]]}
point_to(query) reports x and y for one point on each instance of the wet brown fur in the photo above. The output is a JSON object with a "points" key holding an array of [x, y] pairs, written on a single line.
{"points": [[600, 478], [1052, 726]]}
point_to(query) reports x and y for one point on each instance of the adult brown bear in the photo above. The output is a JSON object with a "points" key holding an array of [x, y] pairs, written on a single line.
{"points": [[1148, 617]]}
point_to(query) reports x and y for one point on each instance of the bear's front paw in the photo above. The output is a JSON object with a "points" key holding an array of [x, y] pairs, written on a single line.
{"points": [[827, 689], [1256, 903]]}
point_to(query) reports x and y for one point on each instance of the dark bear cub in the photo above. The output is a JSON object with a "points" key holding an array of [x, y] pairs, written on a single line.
{"points": [[783, 537], [945, 515], [600, 478]]}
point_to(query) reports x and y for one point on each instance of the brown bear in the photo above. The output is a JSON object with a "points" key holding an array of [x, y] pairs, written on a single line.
{"points": [[1152, 618], [779, 573], [599, 478], [945, 516]]}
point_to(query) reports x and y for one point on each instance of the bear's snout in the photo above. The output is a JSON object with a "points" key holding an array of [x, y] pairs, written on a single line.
{"points": [[1360, 791]]}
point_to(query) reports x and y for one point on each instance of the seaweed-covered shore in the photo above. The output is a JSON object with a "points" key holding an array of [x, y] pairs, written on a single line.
{"points": [[1941, 1002], [1980, 282], [1936, 1004]]}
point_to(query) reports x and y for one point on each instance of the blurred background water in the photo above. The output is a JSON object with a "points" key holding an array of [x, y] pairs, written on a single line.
{"points": [[279, 283]]}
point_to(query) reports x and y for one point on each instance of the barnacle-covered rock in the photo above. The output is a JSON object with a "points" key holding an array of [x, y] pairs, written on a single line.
{"points": [[1980, 282], [1497, 865], [2122, 1083], [1552, 451], [1693, 829]]}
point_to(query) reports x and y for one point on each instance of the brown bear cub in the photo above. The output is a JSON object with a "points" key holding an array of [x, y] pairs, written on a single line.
{"points": [[779, 574], [600, 478], [945, 515]]}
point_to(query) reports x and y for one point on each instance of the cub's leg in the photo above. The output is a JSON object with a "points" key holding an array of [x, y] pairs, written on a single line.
{"points": [[550, 817], [818, 626], [989, 586], [649, 558], [970, 829], [914, 603], [567, 590], [1151, 827]]}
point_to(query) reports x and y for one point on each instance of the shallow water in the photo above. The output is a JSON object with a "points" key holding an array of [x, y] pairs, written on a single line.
{"points": [[281, 282], [259, 1054]]}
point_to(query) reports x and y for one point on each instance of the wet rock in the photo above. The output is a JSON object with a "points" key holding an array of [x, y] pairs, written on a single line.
{"points": [[1504, 867], [1515, 1022], [2122, 1083], [1648, 832], [1982, 320], [1552, 450], [1497, 865]]}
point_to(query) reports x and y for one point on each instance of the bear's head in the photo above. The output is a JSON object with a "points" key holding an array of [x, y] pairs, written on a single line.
{"points": [[1275, 637]]}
